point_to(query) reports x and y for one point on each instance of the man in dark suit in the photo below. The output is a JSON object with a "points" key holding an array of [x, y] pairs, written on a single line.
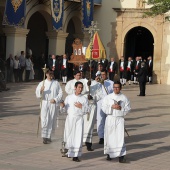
{"points": [[54, 66], [112, 68], [137, 65], [150, 68], [64, 68], [104, 62], [129, 70], [122, 69], [142, 75]]}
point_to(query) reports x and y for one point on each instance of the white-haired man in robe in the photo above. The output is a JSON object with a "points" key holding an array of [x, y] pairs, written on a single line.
{"points": [[51, 94], [116, 105], [107, 88]]}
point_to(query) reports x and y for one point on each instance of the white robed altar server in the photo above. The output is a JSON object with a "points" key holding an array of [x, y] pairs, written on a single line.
{"points": [[115, 106], [90, 118], [51, 95], [70, 86], [76, 106], [107, 88]]}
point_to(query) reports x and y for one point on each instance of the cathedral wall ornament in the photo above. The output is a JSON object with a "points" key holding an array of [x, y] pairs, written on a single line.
{"points": [[16, 4]]}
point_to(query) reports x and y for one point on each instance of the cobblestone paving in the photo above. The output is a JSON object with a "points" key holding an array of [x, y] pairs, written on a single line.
{"points": [[148, 147]]}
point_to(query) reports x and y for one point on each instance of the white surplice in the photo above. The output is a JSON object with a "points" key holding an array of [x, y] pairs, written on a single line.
{"points": [[49, 110], [96, 93], [114, 144], [101, 117], [73, 132], [70, 86]]}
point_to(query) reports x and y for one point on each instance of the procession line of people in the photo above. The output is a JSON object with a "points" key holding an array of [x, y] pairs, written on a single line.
{"points": [[86, 101]]}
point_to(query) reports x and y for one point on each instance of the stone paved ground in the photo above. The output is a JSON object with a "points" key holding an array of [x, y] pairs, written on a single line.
{"points": [[148, 147]]}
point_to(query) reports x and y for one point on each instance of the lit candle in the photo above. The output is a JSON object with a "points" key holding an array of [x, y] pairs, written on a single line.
{"points": [[45, 65]]}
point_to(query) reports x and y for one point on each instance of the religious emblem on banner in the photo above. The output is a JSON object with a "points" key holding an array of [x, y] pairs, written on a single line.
{"points": [[98, 51], [57, 10], [88, 5], [16, 4], [14, 14], [87, 12]]}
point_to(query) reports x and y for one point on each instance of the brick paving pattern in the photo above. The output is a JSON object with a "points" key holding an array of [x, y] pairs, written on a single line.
{"points": [[148, 147]]}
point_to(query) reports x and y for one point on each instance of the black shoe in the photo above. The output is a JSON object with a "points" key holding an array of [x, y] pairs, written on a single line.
{"points": [[49, 140], [101, 141], [122, 159], [89, 146], [65, 155], [76, 159], [90, 149], [45, 141], [108, 158]]}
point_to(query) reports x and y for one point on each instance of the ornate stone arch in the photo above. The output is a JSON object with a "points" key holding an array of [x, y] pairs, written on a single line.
{"points": [[45, 12], [75, 16], [136, 24]]}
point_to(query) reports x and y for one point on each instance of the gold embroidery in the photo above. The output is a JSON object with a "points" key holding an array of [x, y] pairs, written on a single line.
{"points": [[16, 4]]}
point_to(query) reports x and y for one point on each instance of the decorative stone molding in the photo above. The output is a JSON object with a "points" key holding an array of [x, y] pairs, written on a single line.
{"points": [[19, 32], [55, 34]]}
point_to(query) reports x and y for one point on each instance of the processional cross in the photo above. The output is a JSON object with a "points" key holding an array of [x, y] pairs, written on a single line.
{"points": [[91, 30]]}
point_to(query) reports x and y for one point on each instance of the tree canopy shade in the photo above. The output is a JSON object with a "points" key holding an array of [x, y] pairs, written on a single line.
{"points": [[159, 7]]}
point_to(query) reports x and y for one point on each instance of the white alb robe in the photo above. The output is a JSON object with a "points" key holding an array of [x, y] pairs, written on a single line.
{"points": [[114, 144], [101, 117], [70, 86], [49, 110], [73, 132], [96, 93]]}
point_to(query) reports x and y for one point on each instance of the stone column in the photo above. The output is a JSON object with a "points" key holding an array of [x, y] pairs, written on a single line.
{"points": [[119, 42], [157, 67], [15, 40], [57, 42]]}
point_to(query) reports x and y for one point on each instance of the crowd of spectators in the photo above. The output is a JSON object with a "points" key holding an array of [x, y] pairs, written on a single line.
{"points": [[25, 68]]}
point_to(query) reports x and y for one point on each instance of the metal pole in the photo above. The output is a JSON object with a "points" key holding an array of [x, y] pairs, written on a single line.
{"points": [[39, 119]]}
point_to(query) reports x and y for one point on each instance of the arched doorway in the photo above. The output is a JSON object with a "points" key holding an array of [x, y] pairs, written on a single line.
{"points": [[2, 41], [70, 38], [138, 41], [37, 40], [68, 47]]}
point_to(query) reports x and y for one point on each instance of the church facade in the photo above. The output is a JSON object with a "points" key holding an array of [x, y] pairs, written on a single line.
{"points": [[124, 31]]}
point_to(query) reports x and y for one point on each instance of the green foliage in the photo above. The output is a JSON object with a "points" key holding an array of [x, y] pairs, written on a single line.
{"points": [[159, 7]]}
